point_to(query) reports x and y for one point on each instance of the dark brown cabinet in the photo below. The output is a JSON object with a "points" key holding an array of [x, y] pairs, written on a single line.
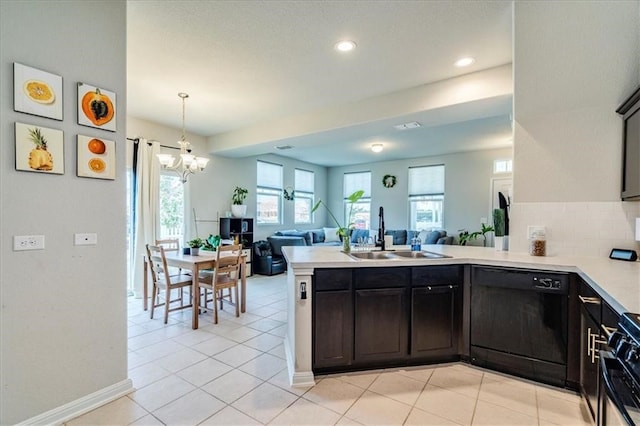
{"points": [[436, 311], [333, 318], [597, 321], [381, 314], [367, 317]]}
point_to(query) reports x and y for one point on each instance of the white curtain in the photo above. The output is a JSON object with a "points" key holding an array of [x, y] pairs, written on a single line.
{"points": [[147, 193]]}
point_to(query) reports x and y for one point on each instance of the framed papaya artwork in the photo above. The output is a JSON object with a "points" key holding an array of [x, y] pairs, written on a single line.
{"points": [[96, 107], [39, 149], [96, 158], [37, 92]]}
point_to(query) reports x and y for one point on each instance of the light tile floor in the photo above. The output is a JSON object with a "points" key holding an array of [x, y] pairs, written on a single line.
{"points": [[234, 373]]}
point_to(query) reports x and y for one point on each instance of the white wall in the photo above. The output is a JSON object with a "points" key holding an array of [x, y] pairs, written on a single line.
{"points": [[467, 188], [63, 316], [574, 63]]}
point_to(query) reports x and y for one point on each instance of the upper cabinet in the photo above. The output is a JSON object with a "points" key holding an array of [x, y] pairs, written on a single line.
{"points": [[630, 111]]}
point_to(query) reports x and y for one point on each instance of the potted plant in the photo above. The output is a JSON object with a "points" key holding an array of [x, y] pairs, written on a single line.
{"points": [[464, 236], [499, 225], [238, 209], [195, 245], [343, 231]]}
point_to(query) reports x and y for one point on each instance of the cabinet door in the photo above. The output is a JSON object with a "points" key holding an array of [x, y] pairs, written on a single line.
{"points": [[381, 325], [333, 329], [589, 367], [435, 320]]}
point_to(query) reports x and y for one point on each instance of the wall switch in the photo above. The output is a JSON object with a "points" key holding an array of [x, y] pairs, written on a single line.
{"points": [[85, 239], [28, 242], [536, 229], [483, 221]]}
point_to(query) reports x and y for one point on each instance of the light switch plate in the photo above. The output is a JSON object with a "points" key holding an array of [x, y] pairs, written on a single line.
{"points": [[86, 239]]}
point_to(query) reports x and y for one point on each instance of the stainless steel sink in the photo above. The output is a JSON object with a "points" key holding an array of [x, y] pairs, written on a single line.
{"points": [[374, 255], [390, 255], [420, 254]]}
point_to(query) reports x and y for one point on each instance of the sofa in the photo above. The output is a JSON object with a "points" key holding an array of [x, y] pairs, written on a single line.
{"points": [[403, 237]]}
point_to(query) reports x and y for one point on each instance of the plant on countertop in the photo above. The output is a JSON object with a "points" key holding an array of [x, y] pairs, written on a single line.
{"points": [[464, 236], [498, 222], [239, 195], [343, 231], [195, 243]]}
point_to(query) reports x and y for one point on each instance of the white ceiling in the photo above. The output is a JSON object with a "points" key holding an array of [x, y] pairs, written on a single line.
{"points": [[247, 64]]}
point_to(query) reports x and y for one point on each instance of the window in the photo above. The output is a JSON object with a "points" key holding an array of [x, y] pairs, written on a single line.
{"points": [[269, 193], [361, 215], [171, 207], [426, 197], [304, 189], [502, 166]]}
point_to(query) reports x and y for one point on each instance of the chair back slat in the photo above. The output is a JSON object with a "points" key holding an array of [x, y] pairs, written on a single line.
{"points": [[158, 263]]}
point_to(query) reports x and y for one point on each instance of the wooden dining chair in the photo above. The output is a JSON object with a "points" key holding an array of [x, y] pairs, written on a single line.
{"points": [[163, 280], [225, 277], [170, 245]]}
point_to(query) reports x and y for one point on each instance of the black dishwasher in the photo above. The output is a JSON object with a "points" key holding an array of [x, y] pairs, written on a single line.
{"points": [[519, 322]]}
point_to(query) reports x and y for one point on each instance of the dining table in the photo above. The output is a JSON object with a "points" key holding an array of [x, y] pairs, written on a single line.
{"points": [[204, 260]]}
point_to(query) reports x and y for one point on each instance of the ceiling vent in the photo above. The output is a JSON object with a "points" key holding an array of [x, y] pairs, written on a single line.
{"points": [[283, 147], [407, 126]]}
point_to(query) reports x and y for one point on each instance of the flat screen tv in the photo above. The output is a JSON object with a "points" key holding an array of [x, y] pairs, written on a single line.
{"points": [[630, 112]]}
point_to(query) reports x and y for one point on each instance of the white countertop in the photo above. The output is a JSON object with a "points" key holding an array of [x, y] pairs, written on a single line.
{"points": [[618, 282]]}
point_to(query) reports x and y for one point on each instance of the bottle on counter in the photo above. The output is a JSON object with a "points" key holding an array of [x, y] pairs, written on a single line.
{"points": [[416, 244], [538, 243]]}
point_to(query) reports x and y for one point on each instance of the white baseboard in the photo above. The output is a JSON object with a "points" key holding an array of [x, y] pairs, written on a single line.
{"points": [[76, 408], [296, 379]]}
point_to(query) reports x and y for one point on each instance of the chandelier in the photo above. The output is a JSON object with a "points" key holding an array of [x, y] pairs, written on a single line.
{"points": [[187, 163]]}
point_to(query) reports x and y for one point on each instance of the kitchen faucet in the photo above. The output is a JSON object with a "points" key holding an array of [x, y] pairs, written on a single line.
{"points": [[380, 241]]}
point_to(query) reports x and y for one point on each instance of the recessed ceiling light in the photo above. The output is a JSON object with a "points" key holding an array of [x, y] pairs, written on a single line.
{"points": [[377, 147], [464, 62], [345, 45]]}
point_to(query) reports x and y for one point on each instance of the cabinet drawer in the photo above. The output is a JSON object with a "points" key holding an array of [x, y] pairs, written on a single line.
{"points": [[436, 275], [382, 277], [332, 279]]}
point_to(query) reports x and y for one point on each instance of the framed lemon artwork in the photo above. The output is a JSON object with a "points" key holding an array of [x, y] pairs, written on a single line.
{"points": [[37, 92], [96, 157]]}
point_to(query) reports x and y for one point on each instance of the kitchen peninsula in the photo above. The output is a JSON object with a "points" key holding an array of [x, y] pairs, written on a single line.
{"points": [[616, 282]]}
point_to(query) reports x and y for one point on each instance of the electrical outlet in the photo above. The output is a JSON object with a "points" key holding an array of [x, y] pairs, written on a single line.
{"points": [[531, 229], [483, 221], [28, 242]]}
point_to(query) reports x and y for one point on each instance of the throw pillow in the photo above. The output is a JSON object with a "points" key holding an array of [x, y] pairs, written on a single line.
{"points": [[432, 237], [331, 235], [359, 233], [317, 236], [423, 235]]}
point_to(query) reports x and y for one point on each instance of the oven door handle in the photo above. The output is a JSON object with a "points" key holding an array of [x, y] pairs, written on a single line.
{"points": [[606, 359]]}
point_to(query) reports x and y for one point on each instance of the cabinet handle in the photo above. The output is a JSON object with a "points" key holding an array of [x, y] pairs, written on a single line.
{"points": [[589, 343], [608, 331], [589, 300]]}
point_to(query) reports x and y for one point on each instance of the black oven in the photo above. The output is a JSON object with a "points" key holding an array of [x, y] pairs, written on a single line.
{"points": [[619, 400]]}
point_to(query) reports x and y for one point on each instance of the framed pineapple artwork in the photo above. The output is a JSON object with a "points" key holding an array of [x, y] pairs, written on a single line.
{"points": [[39, 149], [96, 158], [96, 107], [37, 92]]}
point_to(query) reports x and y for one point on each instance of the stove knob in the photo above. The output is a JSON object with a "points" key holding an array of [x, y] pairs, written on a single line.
{"points": [[632, 355]]}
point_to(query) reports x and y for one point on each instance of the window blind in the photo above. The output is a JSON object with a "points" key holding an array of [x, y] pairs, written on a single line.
{"points": [[304, 181], [357, 181], [269, 175], [426, 180]]}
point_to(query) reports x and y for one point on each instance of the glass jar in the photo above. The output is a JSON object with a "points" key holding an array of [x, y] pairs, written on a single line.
{"points": [[538, 244]]}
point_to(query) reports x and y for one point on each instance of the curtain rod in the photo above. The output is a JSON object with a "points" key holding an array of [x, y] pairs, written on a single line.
{"points": [[137, 140]]}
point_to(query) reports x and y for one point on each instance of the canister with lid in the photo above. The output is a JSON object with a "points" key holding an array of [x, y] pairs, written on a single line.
{"points": [[538, 243]]}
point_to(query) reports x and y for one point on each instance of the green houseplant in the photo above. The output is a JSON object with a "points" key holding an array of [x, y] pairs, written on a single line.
{"points": [[238, 209], [195, 245], [499, 225], [465, 236], [343, 231]]}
